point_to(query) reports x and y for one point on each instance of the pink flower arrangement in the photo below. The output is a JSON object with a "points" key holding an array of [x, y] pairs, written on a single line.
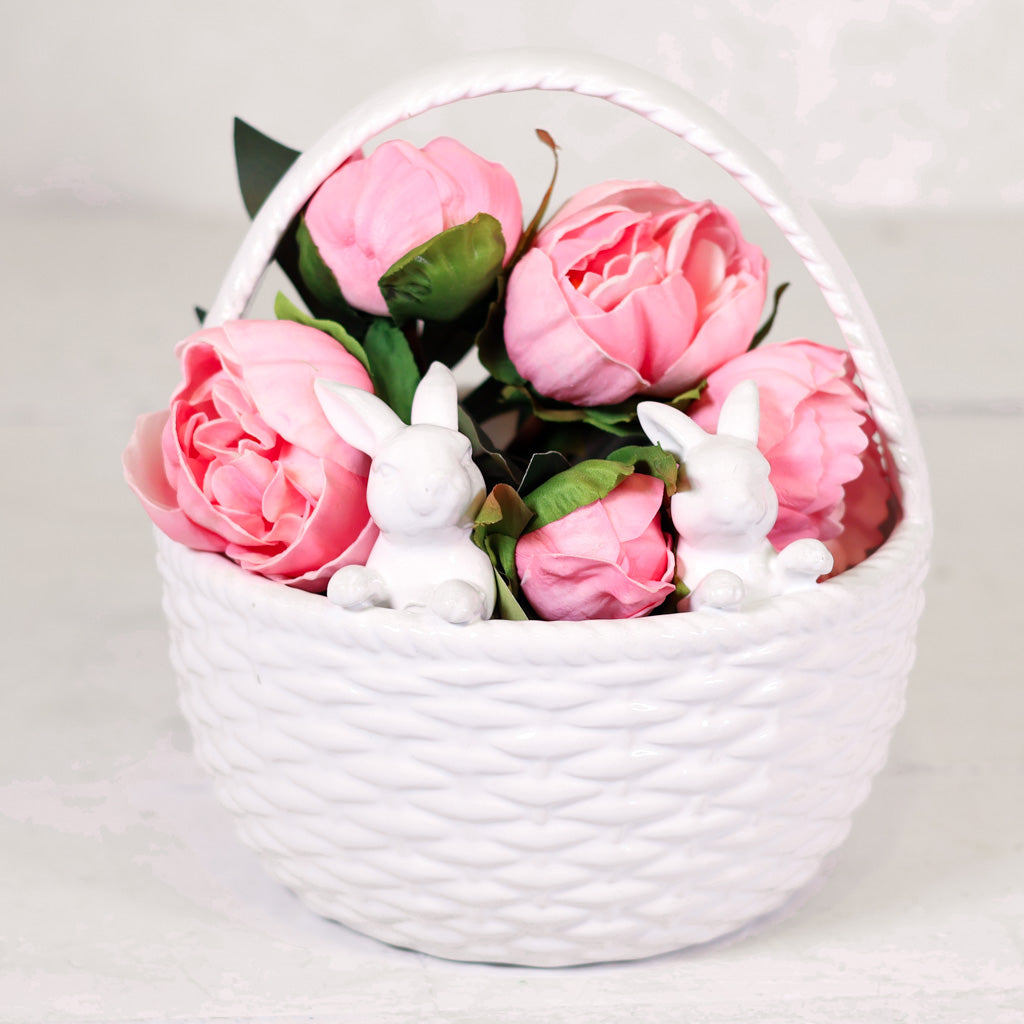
{"points": [[632, 289], [818, 438], [607, 560], [411, 256], [373, 210], [244, 461]]}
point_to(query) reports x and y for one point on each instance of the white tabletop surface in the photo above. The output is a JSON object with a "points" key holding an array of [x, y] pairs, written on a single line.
{"points": [[124, 895]]}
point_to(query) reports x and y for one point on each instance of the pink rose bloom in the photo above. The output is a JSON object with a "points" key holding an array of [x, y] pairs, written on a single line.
{"points": [[245, 463], [818, 437], [608, 560], [373, 210], [632, 289]]}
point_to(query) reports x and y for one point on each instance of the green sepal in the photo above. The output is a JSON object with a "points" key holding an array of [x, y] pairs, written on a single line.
{"points": [[652, 460], [261, 163], [447, 274], [393, 366], [574, 488], [500, 522], [763, 330], [285, 309]]}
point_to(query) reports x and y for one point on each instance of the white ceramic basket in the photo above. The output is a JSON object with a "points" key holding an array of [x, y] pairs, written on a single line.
{"points": [[553, 793]]}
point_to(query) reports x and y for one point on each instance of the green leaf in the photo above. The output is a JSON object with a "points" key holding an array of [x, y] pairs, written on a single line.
{"points": [[763, 330], [200, 314], [575, 488], [392, 366], [652, 460], [285, 309], [261, 163], [447, 274]]}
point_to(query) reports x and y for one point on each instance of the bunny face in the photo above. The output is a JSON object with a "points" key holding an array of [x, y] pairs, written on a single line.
{"points": [[424, 478], [729, 496]]}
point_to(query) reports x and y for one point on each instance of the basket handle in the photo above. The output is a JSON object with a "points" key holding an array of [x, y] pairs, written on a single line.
{"points": [[659, 102]]}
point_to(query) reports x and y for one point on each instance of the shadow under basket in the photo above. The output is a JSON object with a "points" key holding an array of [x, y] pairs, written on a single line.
{"points": [[553, 793]]}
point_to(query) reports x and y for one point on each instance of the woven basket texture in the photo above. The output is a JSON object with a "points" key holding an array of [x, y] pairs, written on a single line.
{"points": [[553, 793], [539, 793]]}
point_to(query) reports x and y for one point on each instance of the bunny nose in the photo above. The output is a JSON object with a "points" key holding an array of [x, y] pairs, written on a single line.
{"points": [[423, 498]]}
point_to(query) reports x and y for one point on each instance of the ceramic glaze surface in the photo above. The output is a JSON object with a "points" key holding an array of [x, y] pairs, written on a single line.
{"points": [[540, 793]]}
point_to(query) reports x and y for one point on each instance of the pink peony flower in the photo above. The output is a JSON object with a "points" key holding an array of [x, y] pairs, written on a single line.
{"points": [[818, 437], [245, 463], [372, 211], [632, 289], [607, 560]]}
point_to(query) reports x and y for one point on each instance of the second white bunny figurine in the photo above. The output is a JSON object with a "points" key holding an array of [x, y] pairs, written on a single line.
{"points": [[727, 507], [423, 492]]}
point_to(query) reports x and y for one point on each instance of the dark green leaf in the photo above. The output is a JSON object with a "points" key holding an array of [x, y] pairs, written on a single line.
{"points": [[448, 342], [447, 274], [392, 366], [763, 330], [492, 462], [575, 488], [490, 342], [261, 163], [200, 314], [541, 467], [285, 309]]}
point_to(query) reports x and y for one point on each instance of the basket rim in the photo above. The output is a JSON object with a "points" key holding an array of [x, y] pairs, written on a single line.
{"points": [[898, 566]]}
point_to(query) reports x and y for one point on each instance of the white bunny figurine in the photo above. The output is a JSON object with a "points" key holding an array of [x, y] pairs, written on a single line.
{"points": [[727, 507], [423, 492]]}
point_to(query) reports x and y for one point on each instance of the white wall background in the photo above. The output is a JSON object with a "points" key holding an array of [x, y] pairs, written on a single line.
{"points": [[862, 102]]}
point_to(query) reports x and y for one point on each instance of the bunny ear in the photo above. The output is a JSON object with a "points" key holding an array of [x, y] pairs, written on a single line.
{"points": [[437, 398], [359, 418], [741, 412], [670, 428]]}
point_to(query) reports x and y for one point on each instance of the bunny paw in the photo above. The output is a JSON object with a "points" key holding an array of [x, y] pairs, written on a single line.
{"points": [[356, 587], [721, 590], [803, 561], [458, 602]]}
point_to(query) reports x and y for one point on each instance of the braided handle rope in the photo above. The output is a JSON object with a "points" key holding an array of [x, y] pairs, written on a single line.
{"points": [[662, 104]]}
